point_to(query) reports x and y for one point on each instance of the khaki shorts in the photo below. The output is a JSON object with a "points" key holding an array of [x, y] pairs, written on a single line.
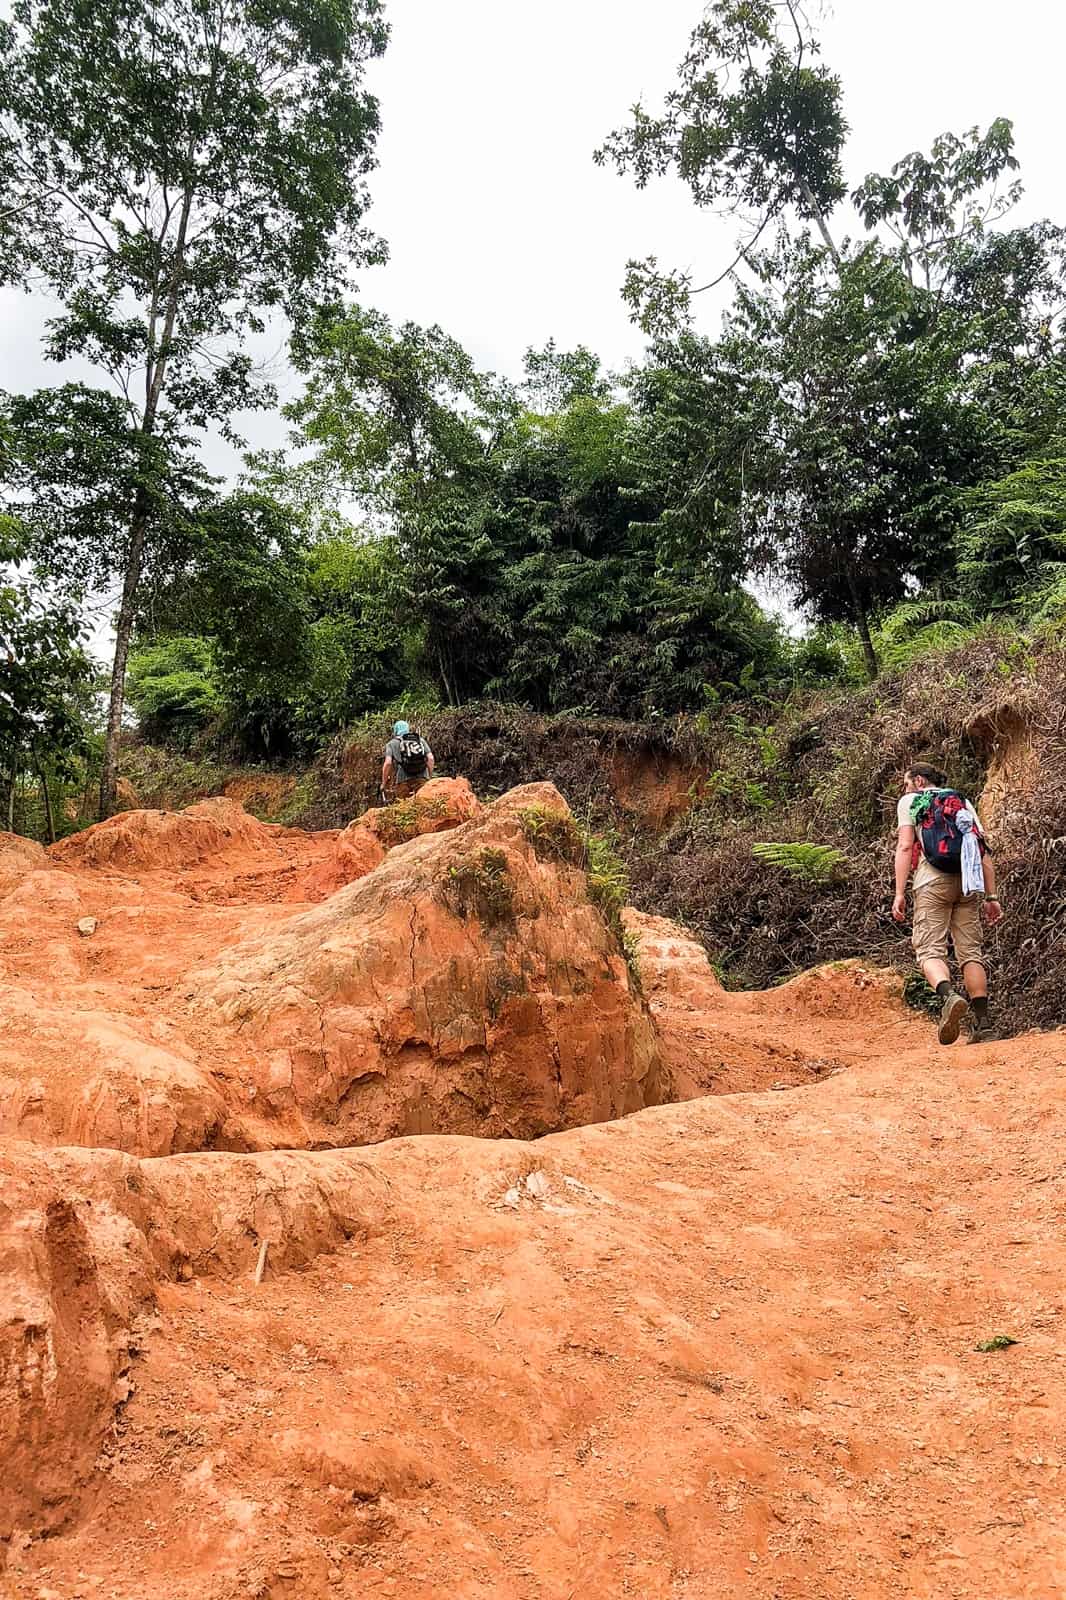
{"points": [[940, 909]]}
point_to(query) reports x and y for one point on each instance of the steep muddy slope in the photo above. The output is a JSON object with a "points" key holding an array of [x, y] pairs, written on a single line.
{"points": [[720, 1348], [752, 1343]]}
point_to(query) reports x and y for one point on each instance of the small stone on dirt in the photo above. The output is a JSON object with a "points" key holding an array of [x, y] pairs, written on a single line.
{"points": [[87, 927]]}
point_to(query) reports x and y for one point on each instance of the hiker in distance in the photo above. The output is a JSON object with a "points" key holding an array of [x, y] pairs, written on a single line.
{"points": [[940, 839], [408, 763]]}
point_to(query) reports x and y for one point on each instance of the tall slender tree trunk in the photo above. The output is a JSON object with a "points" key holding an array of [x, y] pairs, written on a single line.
{"points": [[446, 681], [155, 374], [862, 626], [42, 779], [123, 632], [869, 654], [11, 797]]}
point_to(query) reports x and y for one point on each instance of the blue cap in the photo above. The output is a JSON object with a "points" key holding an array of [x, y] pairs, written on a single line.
{"points": [[400, 728]]}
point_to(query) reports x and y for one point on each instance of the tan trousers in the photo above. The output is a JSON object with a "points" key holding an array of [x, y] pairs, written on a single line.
{"points": [[941, 909]]}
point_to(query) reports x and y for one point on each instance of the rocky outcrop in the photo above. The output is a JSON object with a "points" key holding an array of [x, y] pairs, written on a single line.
{"points": [[75, 1277], [441, 804], [166, 839], [462, 983], [466, 985]]}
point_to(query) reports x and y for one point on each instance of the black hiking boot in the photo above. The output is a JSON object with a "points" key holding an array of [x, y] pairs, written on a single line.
{"points": [[982, 1031], [951, 1014]]}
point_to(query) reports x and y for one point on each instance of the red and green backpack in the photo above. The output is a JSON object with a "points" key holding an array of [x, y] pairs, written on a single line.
{"points": [[938, 838]]}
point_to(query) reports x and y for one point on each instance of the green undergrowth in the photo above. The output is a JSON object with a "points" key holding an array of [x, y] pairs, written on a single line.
{"points": [[608, 879], [399, 822], [480, 886], [784, 860], [294, 806], [919, 996], [556, 836], [164, 779], [812, 863]]}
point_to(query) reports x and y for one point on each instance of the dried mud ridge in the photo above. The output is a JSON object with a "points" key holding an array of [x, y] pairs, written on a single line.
{"points": [[697, 1338]]}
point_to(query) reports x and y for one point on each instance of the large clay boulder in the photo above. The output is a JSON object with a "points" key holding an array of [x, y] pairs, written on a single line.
{"points": [[466, 985], [440, 804], [674, 966]]}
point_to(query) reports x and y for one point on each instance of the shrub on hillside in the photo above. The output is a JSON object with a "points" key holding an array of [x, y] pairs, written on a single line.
{"points": [[173, 687]]}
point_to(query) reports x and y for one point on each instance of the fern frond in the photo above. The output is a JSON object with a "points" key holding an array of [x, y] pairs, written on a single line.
{"points": [[814, 863], [911, 616]]}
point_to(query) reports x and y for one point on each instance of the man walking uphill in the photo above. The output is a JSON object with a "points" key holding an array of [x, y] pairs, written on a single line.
{"points": [[408, 763], [940, 838]]}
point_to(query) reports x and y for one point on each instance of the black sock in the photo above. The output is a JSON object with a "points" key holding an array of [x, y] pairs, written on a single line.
{"points": [[979, 1007], [943, 990]]}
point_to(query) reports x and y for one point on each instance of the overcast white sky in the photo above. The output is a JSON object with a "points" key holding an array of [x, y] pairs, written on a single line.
{"points": [[503, 230]]}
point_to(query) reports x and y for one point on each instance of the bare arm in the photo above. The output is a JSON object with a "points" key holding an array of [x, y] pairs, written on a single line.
{"points": [[904, 858], [991, 910], [387, 771], [430, 763]]}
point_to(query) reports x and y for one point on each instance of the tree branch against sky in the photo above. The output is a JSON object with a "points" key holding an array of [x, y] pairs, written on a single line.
{"points": [[754, 128]]}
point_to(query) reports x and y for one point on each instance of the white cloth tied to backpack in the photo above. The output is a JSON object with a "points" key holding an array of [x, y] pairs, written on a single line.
{"points": [[973, 872]]}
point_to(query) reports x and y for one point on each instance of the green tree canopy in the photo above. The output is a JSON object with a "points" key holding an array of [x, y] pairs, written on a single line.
{"points": [[44, 683]]}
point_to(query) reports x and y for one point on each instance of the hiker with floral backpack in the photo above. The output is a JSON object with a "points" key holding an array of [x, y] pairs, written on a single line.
{"points": [[940, 839]]}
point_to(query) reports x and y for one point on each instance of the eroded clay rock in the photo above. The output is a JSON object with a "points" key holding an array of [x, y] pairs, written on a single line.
{"points": [[672, 963], [99, 1079], [208, 1214], [656, 786], [466, 985], [74, 1277], [18, 858], [716, 1041], [166, 839], [441, 804]]}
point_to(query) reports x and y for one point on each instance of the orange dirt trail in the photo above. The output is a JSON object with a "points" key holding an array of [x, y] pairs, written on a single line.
{"points": [[719, 1347]]}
